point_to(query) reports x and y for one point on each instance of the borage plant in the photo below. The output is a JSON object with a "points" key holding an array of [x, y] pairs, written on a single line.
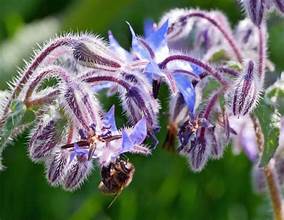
{"points": [[214, 87]]}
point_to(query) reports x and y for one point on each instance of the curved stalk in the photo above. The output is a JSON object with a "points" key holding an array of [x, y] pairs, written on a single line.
{"points": [[227, 36], [195, 61], [272, 179], [261, 52]]}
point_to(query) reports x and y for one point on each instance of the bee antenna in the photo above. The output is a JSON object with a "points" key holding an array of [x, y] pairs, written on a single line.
{"points": [[114, 199]]}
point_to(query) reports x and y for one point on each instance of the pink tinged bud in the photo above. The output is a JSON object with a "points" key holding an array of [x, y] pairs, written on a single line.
{"points": [[246, 91], [139, 103], [198, 153], [96, 54], [57, 166], [217, 149], [77, 110], [43, 140], [255, 10], [279, 4], [76, 173]]}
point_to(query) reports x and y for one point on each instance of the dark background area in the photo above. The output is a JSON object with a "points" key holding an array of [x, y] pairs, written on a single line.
{"points": [[163, 187]]}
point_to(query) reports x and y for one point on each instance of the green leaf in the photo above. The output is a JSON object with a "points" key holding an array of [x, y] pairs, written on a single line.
{"points": [[234, 65], [274, 95], [272, 107], [269, 119], [11, 123], [219, 55]]}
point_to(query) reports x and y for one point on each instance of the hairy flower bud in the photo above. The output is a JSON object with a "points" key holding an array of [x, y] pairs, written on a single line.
{"points": [[45, 135], [255, 10], [76, 173], [217, 148], [246, 91], [197, 151], [199, 154], [96, 54], [57, 166], [139, 103], [43, 140]]}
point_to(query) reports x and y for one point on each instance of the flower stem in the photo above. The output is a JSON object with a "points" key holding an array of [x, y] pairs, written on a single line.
{"points": [[227, 35], [269, 170], [274, 190], [261, 52], [195, 61], [42, 100], [138, 97]]}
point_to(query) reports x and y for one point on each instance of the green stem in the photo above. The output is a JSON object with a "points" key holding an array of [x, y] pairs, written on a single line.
{"points": [[272, 179]]}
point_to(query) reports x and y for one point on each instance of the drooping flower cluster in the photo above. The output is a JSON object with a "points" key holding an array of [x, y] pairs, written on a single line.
{"points": [[72, 130]]}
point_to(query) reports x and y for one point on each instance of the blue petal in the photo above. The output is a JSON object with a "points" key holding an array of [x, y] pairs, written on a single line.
{"points": [[158, 38], [72, 156], [115, 46], [137, 47], [74, 153], [186, 88], [139, 132], [148, 27], [152, 71], [196, 69], [109, 119], [127, 144]]}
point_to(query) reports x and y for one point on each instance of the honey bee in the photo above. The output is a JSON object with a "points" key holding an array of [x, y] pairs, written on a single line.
{"points": [[116, 176]]}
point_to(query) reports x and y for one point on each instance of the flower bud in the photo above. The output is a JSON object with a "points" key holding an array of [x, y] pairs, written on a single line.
{"points": [[57, 166], [199, 155], [43, 140], [246, 91], [45, 135], [216, 147], [138, 103], [96, 54], [76, 173], [255, 10], [197, 151]]}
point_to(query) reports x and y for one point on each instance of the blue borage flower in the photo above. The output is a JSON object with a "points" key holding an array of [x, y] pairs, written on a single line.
{"points": [[154, 49], [109, 143], [72, 163]]}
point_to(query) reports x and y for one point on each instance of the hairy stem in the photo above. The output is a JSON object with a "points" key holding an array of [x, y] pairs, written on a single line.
{"points": [[229, 71], [63, 41], [274, 190], [42, 100], [210, 106], [195, 61], [51, 71], [227, 35], [127, 86], [269, 170], [261, 51]]}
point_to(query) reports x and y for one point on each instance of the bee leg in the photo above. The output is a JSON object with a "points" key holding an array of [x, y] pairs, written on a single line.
{"points": [[91, 152]]}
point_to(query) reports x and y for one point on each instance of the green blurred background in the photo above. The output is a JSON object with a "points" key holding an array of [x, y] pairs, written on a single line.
{"points": [[163, 186]]}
